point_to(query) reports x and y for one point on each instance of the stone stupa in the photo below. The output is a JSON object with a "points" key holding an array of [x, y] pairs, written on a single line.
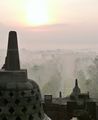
{"points": [[76, 90], [20, 97]]}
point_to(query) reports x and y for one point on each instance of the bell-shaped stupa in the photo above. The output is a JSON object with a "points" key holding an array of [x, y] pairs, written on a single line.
{"points": [[76, 90], [20, 97]]}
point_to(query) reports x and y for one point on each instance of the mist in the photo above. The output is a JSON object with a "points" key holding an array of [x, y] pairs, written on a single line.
{"points": [[56, 70], [51, 37]]}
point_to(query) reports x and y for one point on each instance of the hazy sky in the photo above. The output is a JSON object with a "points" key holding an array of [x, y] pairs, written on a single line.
{"points": [[50, 24]]}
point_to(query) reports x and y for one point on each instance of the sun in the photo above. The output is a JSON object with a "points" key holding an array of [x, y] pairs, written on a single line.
{"points": [[37, 13]]}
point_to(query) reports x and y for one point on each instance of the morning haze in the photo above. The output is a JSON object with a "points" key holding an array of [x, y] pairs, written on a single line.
{"points": [[52, 25]]}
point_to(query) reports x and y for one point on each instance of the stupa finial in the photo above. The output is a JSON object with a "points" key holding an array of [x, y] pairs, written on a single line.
{"points": [[12, 59]]}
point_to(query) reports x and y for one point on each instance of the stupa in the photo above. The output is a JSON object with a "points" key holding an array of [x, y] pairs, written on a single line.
{"points": [[76, 90], [20, 97]]}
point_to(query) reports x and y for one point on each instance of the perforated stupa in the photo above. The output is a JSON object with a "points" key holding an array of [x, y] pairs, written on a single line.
{"points": [[20, 97]]}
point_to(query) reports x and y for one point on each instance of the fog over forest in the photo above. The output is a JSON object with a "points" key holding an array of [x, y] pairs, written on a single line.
{"points": [[56, 70]]}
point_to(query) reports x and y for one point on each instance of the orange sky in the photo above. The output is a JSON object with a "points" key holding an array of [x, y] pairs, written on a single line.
{"points": [[65, 23], [40, 12]]}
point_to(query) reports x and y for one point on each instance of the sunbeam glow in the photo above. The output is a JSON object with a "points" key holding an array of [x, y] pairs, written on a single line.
{"points": [[37, 12]]}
